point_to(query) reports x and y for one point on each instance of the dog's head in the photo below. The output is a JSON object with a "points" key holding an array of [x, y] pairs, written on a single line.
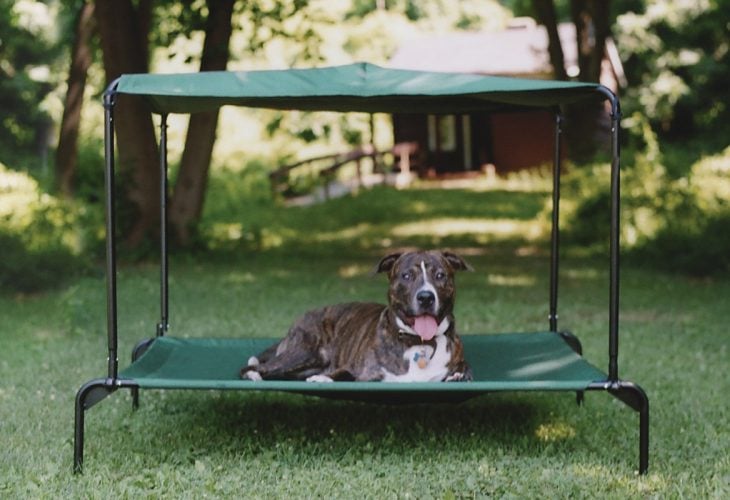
{"points": [[421, 291]]}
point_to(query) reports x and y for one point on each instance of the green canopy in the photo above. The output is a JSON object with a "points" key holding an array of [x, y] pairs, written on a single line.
{"points": [[356, 87]]}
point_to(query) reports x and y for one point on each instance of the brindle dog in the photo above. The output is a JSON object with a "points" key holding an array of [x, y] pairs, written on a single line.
{"points": [[412, 339]]}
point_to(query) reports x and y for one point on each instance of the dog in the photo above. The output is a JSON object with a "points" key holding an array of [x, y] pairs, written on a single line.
{"points": [[412, 339]]}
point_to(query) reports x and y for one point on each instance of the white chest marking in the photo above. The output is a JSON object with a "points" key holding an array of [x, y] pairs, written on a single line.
{"points": [[436, 369]]}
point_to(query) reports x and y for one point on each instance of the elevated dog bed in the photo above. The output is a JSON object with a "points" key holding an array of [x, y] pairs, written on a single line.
{"points": [[543, 361], [502, 362]]}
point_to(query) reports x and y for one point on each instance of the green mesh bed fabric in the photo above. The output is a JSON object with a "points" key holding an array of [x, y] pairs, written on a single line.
{"points": [[500, 362]]}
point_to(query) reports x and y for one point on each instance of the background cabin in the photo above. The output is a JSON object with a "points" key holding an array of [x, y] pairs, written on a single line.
{"points": [[461, 143]]}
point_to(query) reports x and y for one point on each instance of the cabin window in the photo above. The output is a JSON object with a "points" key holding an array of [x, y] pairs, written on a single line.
{"points": [[466, 132], [441, 133]]}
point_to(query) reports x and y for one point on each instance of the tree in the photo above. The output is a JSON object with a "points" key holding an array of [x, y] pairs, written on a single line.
{"points": [[262, 21], [545, 10], [123, 30], [187, 202], [592, 27], [81, 59], [26, 54], [678, 64]]}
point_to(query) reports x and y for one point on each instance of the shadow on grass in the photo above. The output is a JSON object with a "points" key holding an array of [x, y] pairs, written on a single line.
{"points": [[296, 427]]}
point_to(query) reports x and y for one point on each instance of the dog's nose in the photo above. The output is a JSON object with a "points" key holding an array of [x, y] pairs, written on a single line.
{"points": [[425, 298]]}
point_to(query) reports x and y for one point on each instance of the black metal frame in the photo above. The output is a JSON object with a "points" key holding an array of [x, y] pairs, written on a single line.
{"points": [[97, 389]]}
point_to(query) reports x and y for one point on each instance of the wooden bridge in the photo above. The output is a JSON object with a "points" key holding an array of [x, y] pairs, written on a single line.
{"points": [[326, 167]]}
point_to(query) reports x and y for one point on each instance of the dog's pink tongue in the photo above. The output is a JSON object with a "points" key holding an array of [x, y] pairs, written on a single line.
{"points": [[425, 326]]}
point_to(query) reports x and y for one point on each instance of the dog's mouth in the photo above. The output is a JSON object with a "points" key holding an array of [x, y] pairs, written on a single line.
{"points": [[425, 326]]}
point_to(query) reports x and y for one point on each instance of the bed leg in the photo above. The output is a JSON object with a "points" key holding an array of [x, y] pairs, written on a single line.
{"points": [[138, 350], [577, 347], [135, 398], [644, 437], [90, 393], [79, 436], [635, 397]]}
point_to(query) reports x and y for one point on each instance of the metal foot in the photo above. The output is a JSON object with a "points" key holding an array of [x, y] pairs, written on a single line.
{"points": [[90, 393], [634, 396]]}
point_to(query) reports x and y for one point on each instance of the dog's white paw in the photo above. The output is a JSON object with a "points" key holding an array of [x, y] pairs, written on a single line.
{"points": [[252, 375], [455, 377], [319, 378], [253, 361]]}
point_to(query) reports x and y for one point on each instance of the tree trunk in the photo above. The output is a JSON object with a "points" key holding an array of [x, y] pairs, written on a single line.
{"points": [[591, 19], [81, 58], [187, 202], [125, 51], [586, 122], [545, 10]]}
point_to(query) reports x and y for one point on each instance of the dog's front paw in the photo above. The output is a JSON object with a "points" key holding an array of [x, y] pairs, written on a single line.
{"points": [[319, 378], [458, 377], [251, 375]]}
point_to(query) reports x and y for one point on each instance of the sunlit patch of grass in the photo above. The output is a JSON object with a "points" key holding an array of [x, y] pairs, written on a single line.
{"points": [[348, 233], [239, 278], [441, 227], [354, 270], [508, 280], [554, 431]]}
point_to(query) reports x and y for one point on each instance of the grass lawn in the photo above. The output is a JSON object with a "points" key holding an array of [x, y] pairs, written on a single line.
{"points": [[201, 444]]}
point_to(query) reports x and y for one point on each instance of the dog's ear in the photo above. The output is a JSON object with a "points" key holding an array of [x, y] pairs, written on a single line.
{"points": [[456, 262], [386, 263]]}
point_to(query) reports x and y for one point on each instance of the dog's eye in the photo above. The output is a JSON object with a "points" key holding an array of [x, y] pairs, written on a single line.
{"points": [[407, 276], [440, 275]]}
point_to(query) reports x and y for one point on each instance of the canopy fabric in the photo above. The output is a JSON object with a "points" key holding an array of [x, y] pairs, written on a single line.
{"points": [[360, 87], [500, 362]]}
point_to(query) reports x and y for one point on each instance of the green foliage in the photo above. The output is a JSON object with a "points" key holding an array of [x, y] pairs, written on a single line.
{"points": [[89, 175], [677, 60], [40, 241], [700, 247], [672, 221], [261, 22], [585, 212], [26, 51], [694, 236], [27, 269]]}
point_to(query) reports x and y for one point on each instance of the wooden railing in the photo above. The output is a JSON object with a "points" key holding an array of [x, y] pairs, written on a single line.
{"points": [[402, 154]]}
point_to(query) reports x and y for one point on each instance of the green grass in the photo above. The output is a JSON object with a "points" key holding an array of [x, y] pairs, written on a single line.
{"points": [[229, 444]]}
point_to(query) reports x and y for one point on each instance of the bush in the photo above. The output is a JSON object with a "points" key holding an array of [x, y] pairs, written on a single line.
{"points": [[695, 237], [586, 203], [27, 270], [40, 239], [675, 222], [702, 250]]}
